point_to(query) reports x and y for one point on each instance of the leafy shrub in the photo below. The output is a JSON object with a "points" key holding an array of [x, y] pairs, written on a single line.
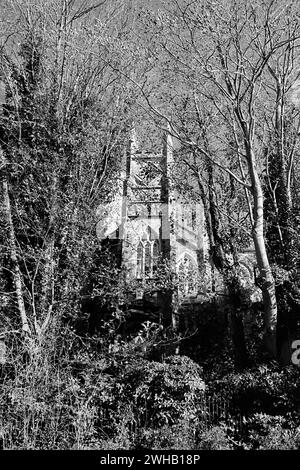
{"points": [[267, 432], [179, 436], [162, 391], [267, 388], [66, 395], [215, 438]]}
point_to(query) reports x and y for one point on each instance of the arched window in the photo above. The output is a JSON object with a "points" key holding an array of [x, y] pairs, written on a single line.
{"points": [[147, 255], [187, 274]]}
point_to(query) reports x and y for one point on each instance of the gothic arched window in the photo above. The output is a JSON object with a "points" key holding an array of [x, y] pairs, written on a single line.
{"points": [[147, 255]]}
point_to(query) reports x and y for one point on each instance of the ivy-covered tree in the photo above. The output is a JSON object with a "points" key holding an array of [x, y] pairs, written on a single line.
{"points": [[63, 130]]}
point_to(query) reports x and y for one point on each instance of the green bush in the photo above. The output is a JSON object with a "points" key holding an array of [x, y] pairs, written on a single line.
{"points": [[267, 432], [65, 395], [266, 389], [215, 438], [162, 391]]}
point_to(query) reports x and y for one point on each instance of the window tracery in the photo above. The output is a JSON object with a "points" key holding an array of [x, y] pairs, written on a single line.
{"points": [[147, 255]]}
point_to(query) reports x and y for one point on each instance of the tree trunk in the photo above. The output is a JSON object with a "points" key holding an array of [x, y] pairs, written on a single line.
{"points": [[13, 255], [267, 282]]}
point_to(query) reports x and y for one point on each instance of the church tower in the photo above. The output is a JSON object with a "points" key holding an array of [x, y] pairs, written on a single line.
{"points": [[157, 231], [159, 223], [155, 224]]}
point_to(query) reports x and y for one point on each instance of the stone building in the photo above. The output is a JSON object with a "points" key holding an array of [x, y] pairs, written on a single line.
{"points": [[153, 222]]}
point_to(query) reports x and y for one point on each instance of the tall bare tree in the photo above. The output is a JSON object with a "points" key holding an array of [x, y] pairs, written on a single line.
{"points": [[220, 57]]}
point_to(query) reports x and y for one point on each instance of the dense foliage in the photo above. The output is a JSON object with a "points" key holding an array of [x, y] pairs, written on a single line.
{"points": [[79, 368]]}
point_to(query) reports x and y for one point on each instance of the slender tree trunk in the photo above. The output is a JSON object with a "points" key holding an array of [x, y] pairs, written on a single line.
{"points": [[267, 282], [13, 255]]}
